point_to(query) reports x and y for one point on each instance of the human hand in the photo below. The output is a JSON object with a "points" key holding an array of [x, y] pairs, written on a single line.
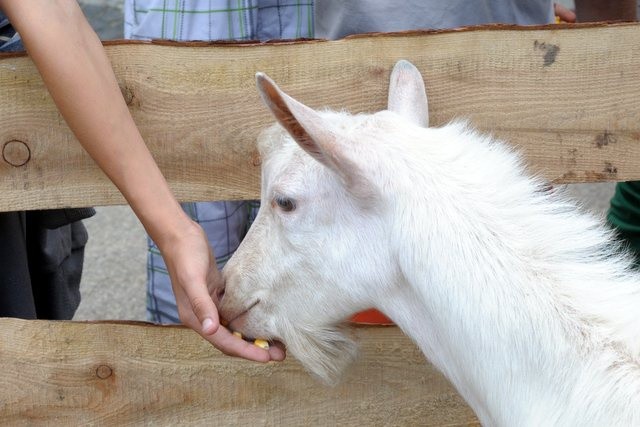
{"points": [[196, 282], [564, 14]]}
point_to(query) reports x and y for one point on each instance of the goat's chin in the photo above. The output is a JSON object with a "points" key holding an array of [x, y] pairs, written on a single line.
{"points": [[325, 352]]}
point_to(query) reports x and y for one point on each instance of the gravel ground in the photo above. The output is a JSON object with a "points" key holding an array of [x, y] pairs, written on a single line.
{"points": [[113, 283]]}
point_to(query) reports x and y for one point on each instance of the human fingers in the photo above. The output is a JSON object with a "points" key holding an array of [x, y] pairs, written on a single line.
{"points": [[199, 308], [565, 14], [233, 345], [228, 343], [277, 351]]}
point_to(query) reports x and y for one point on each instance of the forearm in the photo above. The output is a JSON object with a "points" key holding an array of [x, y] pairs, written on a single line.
{"points": [[606, 10], [78, 74]]}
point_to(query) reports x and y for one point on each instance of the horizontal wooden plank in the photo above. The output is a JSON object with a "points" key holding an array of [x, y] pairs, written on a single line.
{"points": [[72, 373], [568, 96]]}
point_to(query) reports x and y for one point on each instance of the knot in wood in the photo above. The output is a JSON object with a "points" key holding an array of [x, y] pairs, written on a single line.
{"points": [[255, 158], [16, 153], [103, 372], [127, 94]]}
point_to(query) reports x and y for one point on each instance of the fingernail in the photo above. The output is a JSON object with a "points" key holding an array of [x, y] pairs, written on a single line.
{"points": [[207, 324]]}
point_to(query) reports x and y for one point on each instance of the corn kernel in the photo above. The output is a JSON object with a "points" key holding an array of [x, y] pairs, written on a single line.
{"points": [[238, 334], [262, 344]]}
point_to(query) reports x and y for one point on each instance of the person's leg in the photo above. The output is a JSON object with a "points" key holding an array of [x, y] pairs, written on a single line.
{"points": [[624, 215], [56, 258], [16, 298], [40, 267]]}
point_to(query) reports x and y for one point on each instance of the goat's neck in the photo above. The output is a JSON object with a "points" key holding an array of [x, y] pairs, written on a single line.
{"points": [[501, 343], [492, 321]]}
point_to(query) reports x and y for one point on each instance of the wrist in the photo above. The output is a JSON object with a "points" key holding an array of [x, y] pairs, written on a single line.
{"points": [[172, 227]]}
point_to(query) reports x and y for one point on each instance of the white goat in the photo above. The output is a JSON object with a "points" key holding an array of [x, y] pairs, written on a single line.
{"points": [[527, 305]]}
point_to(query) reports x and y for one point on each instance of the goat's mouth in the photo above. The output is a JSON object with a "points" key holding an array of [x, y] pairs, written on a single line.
{"points": [[237, 322], [244, 327]]}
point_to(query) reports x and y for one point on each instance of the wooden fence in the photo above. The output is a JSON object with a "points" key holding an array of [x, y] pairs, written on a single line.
{"points": [[567, 96]]}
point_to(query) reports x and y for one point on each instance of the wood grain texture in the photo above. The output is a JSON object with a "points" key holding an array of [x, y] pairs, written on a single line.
{"points": [[71, 373], [567, 96]]}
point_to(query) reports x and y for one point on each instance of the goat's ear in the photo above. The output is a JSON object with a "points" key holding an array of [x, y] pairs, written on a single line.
{"points": [[303, 123], [313, 134], [407, 95]]}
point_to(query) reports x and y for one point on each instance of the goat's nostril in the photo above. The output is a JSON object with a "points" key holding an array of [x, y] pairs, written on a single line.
{"points": [[219, 294]]}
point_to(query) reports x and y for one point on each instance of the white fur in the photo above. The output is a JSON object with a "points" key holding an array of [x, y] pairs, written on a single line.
{"points": [[526, 304]]}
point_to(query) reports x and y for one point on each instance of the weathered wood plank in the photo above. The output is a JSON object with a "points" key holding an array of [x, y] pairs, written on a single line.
{"points": [[71, 373], [568, 96]]}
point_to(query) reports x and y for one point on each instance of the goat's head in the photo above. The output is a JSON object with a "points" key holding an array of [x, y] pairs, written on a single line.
{"points": [[319, 249]]}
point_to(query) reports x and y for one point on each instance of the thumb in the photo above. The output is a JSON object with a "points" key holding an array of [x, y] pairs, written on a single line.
{"points": [[204, 309]]}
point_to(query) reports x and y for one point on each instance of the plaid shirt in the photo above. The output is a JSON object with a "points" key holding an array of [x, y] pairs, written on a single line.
{"points": [[226, 222], [9, 39], [184, 20]]}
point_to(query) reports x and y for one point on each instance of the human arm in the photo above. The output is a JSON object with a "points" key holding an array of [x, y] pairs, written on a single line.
{"points": [[77, 73]]}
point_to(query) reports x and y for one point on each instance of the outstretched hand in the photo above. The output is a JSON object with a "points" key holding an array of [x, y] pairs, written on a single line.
{"points": [[196, 281]]}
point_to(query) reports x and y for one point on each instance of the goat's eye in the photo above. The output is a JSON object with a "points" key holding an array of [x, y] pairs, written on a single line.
{"points": [[286, 204]]}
